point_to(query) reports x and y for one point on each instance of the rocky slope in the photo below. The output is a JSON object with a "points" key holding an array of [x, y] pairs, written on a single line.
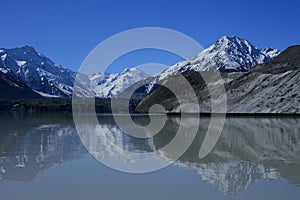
{"points": [[268, 88]]}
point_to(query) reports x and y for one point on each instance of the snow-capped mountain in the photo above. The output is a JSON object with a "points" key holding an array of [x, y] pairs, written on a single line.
{"points": [[272, 87], [37, 71], [231, 54], [49, 79], [272, 53], [228, 54], [112, 84], [52, 80]]}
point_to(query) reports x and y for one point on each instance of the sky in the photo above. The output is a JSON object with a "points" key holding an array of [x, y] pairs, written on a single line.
{"points": [[66, 31]]}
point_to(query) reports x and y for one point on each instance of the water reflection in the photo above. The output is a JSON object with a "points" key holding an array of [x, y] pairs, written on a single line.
{"points": [[249, 149], [31, 144]]}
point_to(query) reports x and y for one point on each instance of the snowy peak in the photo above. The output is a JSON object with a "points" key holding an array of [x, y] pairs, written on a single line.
{"points": [[27, 54], [227, 54], [37, 71], [271, 52], [112, 84], [234, 41], [133, 73], [233, 46], [232, 54]]}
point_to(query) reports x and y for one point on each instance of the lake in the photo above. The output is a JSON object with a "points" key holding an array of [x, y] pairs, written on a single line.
{"points": [[43, 157]]}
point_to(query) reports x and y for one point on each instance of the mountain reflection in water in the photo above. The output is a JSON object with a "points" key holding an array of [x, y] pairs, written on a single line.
{"points": [[249, 149]]}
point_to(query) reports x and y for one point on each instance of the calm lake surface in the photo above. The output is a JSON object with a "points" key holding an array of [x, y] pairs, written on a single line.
{"points": [[42, 157]]}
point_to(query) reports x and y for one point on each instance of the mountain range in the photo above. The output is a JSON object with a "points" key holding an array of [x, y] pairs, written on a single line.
{"points": [[43, 76], [243, 66]]}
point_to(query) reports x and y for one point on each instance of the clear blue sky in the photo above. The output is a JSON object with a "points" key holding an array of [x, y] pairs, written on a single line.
{"points": [[66, 31]]}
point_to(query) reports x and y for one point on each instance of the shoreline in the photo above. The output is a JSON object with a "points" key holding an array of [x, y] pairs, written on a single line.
{"points": [[238, 114], [5, 112]]}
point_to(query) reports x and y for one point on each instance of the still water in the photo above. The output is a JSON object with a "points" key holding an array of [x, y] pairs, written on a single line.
{"points": [[42, 157]]}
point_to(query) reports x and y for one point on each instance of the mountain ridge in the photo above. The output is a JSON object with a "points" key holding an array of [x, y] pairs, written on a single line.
{"points": [[267, 88], [227, 54], [49, 79]]}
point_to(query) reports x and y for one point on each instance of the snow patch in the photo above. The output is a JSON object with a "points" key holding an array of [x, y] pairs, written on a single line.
{"points": [[4, 71], [3, 57], [21, 63], [46, 95], [110, 85]]}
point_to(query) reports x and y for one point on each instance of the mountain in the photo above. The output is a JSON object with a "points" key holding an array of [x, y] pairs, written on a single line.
{"points": [[272, 87], [52, 80], [112, 84], [37, 71], [228, 54], [48, 79], [231, 54], [42, 75], [271, 52]]}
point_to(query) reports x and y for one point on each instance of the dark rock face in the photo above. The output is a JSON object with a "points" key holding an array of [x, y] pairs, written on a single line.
{"points": [[14, 89]]}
